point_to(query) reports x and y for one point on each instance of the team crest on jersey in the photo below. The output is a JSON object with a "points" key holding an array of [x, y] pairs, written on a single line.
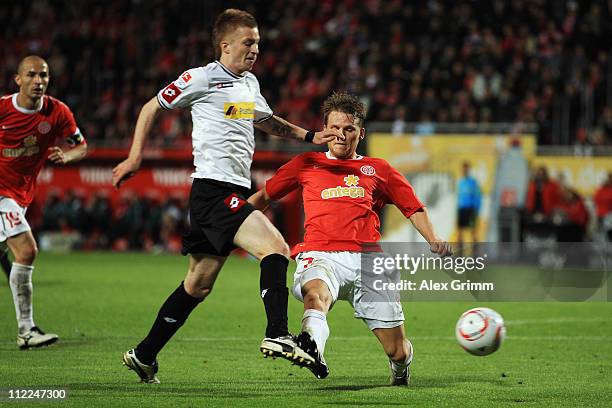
{"points": [[44, 127], [368, 170], [30, 148], [239, 110], [351, 189]]}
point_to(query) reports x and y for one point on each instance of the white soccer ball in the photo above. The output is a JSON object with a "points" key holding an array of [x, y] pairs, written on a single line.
{"points": [[480, 331]]}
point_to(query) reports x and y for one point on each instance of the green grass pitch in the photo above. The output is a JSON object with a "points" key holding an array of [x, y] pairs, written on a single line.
{"points": [[556, 354]]}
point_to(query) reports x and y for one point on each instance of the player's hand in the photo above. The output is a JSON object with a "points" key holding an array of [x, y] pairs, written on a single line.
{"points": [[440, 247], [327, 135], [56, 155], [124, 171]]}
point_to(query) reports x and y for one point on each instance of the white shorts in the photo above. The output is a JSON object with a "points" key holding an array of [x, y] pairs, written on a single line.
{"points": [[12, 219], [341, 271]]}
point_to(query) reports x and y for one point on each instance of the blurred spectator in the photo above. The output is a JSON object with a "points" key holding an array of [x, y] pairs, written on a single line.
{"points": [[54, 213], [570, 216], [127, 223], [603, 199], [542, 194]]}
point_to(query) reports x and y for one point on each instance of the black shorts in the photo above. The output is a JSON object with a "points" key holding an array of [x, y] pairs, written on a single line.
{"points": [[216, 211], [466, 217]]}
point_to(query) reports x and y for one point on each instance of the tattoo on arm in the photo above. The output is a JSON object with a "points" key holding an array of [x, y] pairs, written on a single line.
{"points": [[282, 128]]}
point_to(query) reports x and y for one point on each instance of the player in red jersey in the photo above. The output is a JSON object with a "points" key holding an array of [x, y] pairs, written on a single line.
{"points": [[30, 125], [342, 193]]}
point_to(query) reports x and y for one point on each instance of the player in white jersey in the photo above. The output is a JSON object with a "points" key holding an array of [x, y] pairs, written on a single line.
{"points": [[226, 105]]}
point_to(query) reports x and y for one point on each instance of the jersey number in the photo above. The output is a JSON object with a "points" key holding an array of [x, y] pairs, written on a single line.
{"points": [[12, 218]]}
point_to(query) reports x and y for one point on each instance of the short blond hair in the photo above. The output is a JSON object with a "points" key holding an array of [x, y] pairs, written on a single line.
{"points": [[228, 21]]}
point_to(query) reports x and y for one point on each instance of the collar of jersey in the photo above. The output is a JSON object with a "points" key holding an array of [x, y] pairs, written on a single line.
{"points": [[24, 110], [330, 157], [230, 73]]}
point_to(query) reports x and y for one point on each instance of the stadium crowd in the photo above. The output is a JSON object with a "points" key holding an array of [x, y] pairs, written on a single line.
{"points": [[150, 223], [444, 61], [418, 61], [553, 207]]}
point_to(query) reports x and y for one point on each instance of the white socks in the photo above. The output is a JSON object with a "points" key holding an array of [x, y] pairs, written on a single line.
{"points": [[398, 368], [315, 323], [21, 286]]}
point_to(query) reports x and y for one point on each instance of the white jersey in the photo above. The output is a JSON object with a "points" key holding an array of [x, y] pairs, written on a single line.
{"points": [[224, 107]]}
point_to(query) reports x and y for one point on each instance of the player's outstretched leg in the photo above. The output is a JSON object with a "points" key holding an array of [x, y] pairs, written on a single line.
{"points": [[273, 288], [400, 371], [203, 271], [399, 350], [261, 239], [315, 331], [318, 366], [171, 316]]}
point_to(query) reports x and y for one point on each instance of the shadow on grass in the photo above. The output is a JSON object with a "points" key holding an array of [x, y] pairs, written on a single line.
{"points": [[159, 390], [438, 381]]}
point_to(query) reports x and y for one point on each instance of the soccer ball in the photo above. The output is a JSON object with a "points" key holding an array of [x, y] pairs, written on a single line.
{"points": [[480, 331]]}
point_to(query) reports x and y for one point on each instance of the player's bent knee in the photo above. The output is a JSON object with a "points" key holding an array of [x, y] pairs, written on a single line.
{"points": [[197, 291], [278, 246], [316, 299], [26, 254]]}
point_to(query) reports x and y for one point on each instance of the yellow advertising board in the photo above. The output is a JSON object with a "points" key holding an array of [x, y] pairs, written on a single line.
{"points": [[436, 160]]}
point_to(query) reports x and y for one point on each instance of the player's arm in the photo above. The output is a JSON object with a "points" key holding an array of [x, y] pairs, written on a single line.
{"points": [[285, 180], [129, 166], [260, 200], [277, 126], [74, 139], [422, 223], [401, 193], [59, 156]]}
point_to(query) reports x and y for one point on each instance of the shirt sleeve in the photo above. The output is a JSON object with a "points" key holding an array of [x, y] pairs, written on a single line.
{"points": [[399, 192], [180, 93], [262, 110], [286, 179], [69, 130]]}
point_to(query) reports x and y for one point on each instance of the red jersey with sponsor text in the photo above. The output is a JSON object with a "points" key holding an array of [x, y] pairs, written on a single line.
{"points": [[25, 136], [342, 198]]}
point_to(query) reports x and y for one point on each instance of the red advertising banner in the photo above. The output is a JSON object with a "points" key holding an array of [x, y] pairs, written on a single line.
{"points": [[88, 180]]}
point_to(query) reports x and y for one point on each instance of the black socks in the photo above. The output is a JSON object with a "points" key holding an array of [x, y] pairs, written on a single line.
{"points": [[273, 290], [170, 318], [179, 305]]}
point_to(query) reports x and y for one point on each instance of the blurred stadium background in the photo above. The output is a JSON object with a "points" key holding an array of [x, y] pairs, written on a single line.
{"points": [[509, 86]]}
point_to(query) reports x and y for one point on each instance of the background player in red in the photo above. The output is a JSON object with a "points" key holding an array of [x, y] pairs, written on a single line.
{"points": [[30, 124], [342, 193]]}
